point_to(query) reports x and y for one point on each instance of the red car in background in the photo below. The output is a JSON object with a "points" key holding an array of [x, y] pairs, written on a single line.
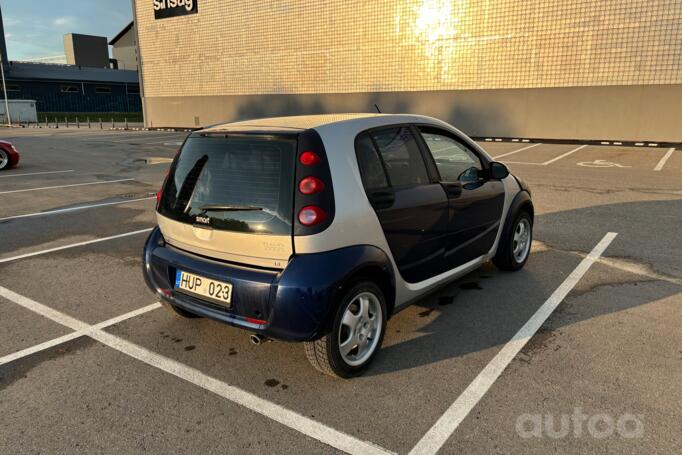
{"points": [[9, 156]]}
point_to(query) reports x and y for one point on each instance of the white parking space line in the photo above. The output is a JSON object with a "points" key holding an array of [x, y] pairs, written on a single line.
{"points": [[35, 173], [43, 310], [73, 209], [441, 431], [74, 245], [546, 163], [146, 140], [77, 334], [286, 417], [102, 136], [158, 160], [516, 151], [66, 186], [521, 162], [665, 158]]}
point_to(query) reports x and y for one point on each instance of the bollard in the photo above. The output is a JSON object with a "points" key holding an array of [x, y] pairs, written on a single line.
{"points": [[89, 126], [113, 125], [66, 121], [78, 122], [56, 122], [100, 124], [126, 120], [47, 124]]}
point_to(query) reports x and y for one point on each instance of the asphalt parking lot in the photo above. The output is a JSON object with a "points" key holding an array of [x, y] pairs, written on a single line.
{"points": [[90, 363]]}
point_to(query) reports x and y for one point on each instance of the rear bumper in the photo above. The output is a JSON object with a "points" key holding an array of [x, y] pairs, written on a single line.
{"points": [[294, 304]]}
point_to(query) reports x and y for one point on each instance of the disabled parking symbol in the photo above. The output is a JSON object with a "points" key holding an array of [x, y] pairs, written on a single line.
{"points": [[600, 163]]}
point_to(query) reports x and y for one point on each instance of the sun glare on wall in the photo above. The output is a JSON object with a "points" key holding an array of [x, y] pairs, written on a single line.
{"points": [[432, 29]]}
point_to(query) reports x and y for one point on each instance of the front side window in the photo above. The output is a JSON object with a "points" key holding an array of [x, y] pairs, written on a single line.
{"points": [[455, 162], [402, 158]]}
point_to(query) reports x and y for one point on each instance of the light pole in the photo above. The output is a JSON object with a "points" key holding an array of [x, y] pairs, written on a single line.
{"points": [[4, 89]]}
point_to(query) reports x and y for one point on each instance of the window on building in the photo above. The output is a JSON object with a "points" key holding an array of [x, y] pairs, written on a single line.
{"points": [[133, 89], [70, 89], [102, 89], [13, 88]]}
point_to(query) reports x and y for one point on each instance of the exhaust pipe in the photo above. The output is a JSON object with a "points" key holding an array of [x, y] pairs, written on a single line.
{"points": [[258, 339]]}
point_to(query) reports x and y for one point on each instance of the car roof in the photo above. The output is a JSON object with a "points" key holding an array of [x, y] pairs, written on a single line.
{"points": [[303, 122]]}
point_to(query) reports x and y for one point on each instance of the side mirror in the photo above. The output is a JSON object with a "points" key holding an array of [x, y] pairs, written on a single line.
{"points": [[498, 171]]}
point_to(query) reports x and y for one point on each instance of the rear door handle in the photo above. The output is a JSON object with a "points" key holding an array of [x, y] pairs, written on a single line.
{"points": [[382, 199], [453, 189]]}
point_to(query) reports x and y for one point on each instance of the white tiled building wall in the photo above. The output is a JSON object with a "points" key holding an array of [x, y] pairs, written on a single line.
{"points": [[236, 47]]}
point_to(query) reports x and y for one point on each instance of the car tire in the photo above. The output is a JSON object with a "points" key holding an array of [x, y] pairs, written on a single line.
{"points": [[179, 311], [4, 160], [514, 249], [363, 306]]}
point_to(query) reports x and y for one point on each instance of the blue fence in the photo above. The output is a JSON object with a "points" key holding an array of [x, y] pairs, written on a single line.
{"points": [[76, 96]]}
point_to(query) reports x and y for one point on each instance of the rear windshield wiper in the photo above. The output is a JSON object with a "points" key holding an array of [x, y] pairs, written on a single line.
{"points": [[229, 208]]}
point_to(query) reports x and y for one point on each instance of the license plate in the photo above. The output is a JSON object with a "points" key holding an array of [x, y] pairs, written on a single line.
{"points": [[204, 287]]}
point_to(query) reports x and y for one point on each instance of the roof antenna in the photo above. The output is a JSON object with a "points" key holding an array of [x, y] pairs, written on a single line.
{"points": [[377, 108]]}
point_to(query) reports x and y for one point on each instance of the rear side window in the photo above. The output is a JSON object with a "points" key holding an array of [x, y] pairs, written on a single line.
{"points": [[402, 158], [241, 184], [371, 169]]}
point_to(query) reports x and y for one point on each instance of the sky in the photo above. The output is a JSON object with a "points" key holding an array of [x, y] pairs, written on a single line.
{"points": [[36, 28]]}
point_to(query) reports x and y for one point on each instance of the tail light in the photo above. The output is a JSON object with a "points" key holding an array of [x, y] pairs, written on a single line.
{"points": [[309, 158], [256, 321], [311, 215], [166, 292], [311, 185], [314, 201]]}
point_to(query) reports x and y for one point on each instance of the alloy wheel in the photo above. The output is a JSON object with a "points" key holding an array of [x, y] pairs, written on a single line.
{"points": [[360, 329], [521, 241]]}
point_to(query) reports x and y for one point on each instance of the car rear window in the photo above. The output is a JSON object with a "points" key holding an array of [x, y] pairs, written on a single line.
{"points": [[234, 183]]}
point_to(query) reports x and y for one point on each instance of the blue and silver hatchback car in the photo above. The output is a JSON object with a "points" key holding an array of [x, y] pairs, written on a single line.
{"points": [[318, 228]]}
